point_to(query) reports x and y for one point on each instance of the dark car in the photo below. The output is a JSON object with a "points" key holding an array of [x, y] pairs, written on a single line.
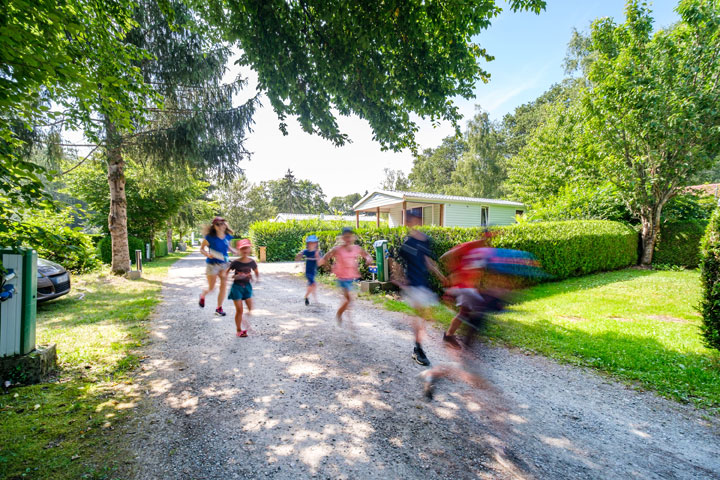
{"points": [[53, 280]]}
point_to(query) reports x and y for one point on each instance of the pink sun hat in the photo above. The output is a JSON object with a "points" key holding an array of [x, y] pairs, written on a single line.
{"points": [[245, 242]]}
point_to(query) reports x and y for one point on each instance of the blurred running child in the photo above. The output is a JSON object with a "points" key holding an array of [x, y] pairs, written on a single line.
{"points": [[215, 247], [242, 287], [466, 263], [313, 259], [346, 270], [417, 254]]}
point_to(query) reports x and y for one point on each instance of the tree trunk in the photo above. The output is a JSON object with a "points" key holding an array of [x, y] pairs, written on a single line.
{"points": [[169, 240], [649, 234], [648, 237], [117, 219]]}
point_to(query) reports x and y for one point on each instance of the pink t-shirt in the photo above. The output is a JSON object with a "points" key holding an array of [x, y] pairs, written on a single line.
{"points": [[346, 262]]}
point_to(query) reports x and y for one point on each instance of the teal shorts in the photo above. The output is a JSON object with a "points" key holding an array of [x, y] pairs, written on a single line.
{"points": [[240, 291]]}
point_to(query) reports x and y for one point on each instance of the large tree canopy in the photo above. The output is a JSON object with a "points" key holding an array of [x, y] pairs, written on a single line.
{"points": [[652, 106], [381, 61]]}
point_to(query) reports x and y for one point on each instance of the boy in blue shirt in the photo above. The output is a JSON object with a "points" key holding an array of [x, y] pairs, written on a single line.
{"points": [[313, 258]]}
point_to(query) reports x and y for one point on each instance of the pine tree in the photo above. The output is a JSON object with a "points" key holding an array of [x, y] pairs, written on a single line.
{"points": [[189, 119]]}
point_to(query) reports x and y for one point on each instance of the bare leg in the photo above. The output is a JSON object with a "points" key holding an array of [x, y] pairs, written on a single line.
{"points": [[347, 300], [249, 303], [211, 285], [418, 324], [314, 291], [223, 289], [238, 314], [454, 325]]}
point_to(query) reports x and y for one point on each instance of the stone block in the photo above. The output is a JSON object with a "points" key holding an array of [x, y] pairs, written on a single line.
{"points": [[133, 275], [370, 286], [30, 368]]}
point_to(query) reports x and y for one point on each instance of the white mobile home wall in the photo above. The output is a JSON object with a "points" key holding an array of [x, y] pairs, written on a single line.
{"points": [[464, 215]]}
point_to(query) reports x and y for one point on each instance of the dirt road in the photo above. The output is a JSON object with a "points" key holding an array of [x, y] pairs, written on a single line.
{"points": [[301, 398]]}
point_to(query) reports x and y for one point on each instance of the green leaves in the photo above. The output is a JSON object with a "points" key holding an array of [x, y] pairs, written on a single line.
{"points": [[710, 277], [381, 61]]}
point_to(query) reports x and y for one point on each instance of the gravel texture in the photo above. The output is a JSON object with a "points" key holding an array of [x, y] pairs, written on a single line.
{"points": [[302, 398]]}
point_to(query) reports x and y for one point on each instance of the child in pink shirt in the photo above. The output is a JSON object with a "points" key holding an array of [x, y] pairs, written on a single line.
{"points": [[345, 268]]}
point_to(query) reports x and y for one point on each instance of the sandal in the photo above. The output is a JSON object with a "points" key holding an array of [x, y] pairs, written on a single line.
{"points": [[242, 333]]}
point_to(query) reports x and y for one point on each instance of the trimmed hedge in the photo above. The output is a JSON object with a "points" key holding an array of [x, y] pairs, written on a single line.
{"points": [[161, 249], [679, 243], [284, 239], [710, 278], [564, 249], [105, 248]]}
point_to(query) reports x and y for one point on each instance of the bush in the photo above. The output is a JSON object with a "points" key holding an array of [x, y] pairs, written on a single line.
{"points": [[284, 239], [679, 243], [161, 249], [49, 233], [710, 278], [105, 248], [564, 249]]}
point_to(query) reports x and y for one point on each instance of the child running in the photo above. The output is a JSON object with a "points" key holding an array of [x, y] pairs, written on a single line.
{"points": [[313, 259], [242, 288], [346, 267], [416, 252]]}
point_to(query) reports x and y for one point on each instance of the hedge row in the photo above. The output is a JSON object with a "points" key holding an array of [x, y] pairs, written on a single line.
{"points": [[284, 239], [161, 249], [564, 249], [679, 243], [105, 248], [710, 278]]}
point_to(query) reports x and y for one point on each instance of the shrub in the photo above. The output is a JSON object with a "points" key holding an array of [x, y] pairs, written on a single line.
{"points": [[284, 239], [679, 243], [710, 278], [564, 249], [161, 249], [134, 243], [49, 233]]}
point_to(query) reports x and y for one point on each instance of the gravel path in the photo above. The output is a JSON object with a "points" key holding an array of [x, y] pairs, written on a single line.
{"points": [[302, 398]]}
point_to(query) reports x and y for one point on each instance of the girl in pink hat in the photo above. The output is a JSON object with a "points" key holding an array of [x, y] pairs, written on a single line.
{"points": [[241, 290]]}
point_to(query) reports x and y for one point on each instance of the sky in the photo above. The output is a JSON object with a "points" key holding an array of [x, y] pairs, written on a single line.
{"points": [[529, 51]]}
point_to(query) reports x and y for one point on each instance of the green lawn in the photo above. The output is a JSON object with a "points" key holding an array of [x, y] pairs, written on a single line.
{"points": [[640, 326], [67, 428]]}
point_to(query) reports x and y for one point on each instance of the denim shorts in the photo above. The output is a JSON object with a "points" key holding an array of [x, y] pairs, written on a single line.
{"points": [[310, 278], [216, 268], [240, 291], [346, 283]]}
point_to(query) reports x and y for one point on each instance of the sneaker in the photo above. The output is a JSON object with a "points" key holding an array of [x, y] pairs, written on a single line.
{"points": [[220, 312], [202, 302], [307, 302], [451, 341], [420, 357]]}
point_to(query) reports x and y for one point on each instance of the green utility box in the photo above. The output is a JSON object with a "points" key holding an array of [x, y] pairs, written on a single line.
{"points": [[381, 260], [18, 314]]}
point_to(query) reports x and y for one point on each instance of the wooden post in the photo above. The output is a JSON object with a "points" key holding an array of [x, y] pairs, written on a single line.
{"points": [[357, 219], [404, 214], [442, 214], [263, 254], [377, 217]]}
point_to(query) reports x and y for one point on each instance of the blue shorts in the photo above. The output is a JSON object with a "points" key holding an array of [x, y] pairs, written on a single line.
{"points": [[346, 283], [310, 278], [240, 291]]}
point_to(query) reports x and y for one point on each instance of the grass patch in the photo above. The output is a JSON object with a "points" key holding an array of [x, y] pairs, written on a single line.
{"points": [[640, 326], [68, 428]]}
